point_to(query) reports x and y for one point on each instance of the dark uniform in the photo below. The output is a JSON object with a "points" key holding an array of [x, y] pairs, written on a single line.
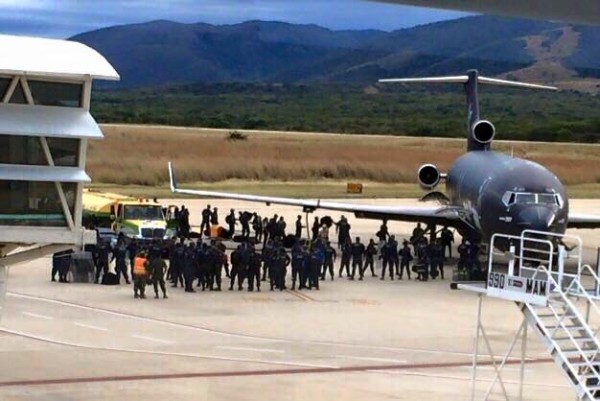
{"points": [[239, 264], [176, 264], [304, 270], [330, 257], [280, 263], [297, 261], [245, 222], [189, 267], [383, 233], [393, 261], [257, 227], [447, 240], [103, 250], [214, 217], [280, 228], [157, 268], [437, 259], [405, 259], [253, 271], [316, 258], [370, 253], [184, 222], [230, 220], [205, 224], [201, 266], [386, 261], [463, 255], [417, 233], [132, 250], [426, 252], [346, 255], [120, 258], [267, 256], [215, 261], [358, 251], [315, 229], [223, 249], [343, 229], [299, 227]]}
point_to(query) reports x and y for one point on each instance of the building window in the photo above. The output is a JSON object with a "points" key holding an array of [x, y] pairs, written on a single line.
{"points": [[28, 150], [34, 203], [56, 93], [65, 152], [21, 150]]}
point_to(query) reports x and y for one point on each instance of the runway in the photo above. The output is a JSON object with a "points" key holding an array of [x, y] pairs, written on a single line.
{"points": [[351, 340]]}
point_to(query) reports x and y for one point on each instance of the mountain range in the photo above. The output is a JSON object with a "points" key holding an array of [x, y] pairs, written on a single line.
{"points": [[162, 52]]}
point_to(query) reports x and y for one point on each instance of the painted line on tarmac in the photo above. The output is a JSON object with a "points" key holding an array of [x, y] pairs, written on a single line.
{"points": [[37, 316], [364, 358], [246, 336], [305, 296], [164, 353], [462, 378], [514, 369], [242, 373], [298, 295], [270, 350], [141, 318], [91, 327], [153, 339]]}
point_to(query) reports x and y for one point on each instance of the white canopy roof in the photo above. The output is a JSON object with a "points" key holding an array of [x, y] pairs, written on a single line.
{"points": [[42, 173], [52, 57], [49, 121]]}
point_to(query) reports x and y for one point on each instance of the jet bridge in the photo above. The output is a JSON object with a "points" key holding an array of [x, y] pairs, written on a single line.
{"points": [[558, 298], [45, 126]]}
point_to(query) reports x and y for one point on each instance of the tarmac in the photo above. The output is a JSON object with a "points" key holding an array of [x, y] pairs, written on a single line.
{"points": [[352, 340]]}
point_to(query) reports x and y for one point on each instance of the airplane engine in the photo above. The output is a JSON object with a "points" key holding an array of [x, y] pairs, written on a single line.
{"points": [[483, 131], [428, 176]]}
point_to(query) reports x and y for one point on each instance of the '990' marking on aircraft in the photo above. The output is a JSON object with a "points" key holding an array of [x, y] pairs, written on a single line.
{"points": [[488, 192]]}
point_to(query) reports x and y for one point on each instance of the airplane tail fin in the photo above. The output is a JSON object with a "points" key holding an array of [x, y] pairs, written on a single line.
{"points": [[480, 133]]}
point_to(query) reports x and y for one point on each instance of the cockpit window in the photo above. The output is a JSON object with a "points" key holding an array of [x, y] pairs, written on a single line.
{"points": [[528, 198], [547, 199]]}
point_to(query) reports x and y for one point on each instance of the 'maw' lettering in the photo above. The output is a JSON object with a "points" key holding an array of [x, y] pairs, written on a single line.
{"points": [[536, 287]]}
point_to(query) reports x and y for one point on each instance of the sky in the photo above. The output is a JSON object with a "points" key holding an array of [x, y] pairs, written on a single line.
{"points": [[65, 18]]}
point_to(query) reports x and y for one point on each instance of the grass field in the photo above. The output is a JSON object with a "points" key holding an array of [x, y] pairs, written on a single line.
{"points": [[134, 159]]}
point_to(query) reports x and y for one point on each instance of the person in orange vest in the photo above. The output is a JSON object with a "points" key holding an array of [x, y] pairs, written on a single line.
{"points": [[140, 275]]}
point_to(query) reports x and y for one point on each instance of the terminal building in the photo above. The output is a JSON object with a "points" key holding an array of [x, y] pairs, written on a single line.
{"points": [[45, 126]]}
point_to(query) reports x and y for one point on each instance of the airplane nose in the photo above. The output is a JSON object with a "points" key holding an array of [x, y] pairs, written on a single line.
{"points": [[538, 218]]}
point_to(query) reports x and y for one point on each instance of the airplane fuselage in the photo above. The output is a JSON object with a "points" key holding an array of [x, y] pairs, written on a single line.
{"points": [[506, 195]]}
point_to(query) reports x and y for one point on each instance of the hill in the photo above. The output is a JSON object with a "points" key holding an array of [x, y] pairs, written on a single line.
{"points": [[165, 52]]}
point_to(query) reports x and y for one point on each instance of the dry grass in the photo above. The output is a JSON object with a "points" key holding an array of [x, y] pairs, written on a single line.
{"points": [[138, 155]]}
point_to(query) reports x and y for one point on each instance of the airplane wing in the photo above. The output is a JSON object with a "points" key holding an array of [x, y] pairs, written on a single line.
{"points": [[441, 215], [580, 11], [577, 220]]}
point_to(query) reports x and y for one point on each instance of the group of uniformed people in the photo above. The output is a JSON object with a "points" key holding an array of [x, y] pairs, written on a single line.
{"points": [[202, 264], [197, 261]]}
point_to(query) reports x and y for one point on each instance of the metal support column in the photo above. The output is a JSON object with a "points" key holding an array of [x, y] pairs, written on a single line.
{"points": [[481, 334]]}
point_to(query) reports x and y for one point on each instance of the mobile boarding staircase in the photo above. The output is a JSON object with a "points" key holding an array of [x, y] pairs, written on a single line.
{"points": [[558, 303]]}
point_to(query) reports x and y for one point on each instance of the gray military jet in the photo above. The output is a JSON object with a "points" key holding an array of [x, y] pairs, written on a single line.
{"points": [[487, 192]]}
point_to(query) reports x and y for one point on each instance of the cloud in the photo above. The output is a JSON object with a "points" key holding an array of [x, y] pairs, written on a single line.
{"points": [[63, 18]]}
